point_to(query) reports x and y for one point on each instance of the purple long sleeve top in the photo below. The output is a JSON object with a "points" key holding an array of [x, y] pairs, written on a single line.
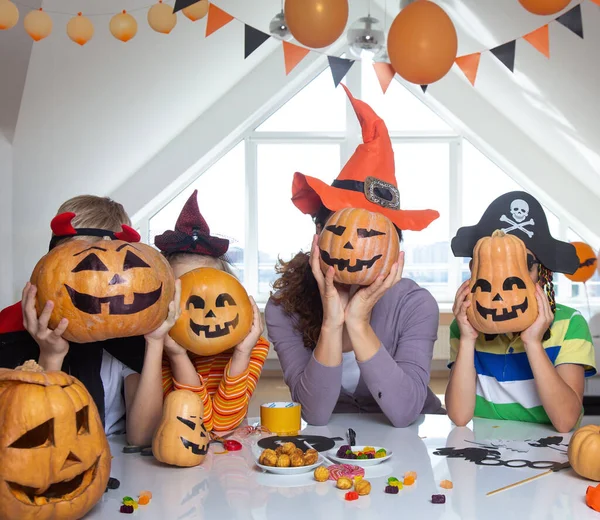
{"points": [[394, 381]]}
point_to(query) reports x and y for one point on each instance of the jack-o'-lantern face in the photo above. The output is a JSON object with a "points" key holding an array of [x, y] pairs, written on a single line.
{"points": [[106, 289], [181, 438], [502, 292], [359, 244], [54, 456], [216, 313]]}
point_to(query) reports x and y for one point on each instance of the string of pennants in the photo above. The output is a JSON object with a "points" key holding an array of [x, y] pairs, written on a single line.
{"points": [[468, 64]]}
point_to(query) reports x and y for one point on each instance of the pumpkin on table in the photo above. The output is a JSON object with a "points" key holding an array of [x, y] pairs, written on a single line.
{"points": [[502, 292], [584, 452], [181, 438], [106, 289], [54, 456], [216, 313], [359, 244]]}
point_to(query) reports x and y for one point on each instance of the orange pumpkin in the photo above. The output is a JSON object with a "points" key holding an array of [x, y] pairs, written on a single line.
{"points": [[216, 313], [54, 456], [359, 244], [584, 452], [181, 438], [587, 263], [502, 292], [106, 289]]}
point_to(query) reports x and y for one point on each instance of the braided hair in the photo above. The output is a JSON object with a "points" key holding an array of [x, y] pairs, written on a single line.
{"points": [[545, 280]]}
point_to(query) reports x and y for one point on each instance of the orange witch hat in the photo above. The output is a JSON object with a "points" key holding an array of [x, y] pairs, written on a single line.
{"points": [[368, 180]]}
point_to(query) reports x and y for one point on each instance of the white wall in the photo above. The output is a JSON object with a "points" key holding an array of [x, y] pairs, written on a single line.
{"points": [[6, 177]]}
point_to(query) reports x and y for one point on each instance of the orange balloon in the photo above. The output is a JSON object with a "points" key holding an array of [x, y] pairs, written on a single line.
{"points": [[196, 11], [123, 26], [316, 23], [422, 43], [80, 29], [38, 24], [544, 7], [9, 15], [587, 263], [162, 18]]}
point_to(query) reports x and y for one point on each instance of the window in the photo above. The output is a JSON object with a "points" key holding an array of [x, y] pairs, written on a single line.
{"points": [[245, 195]]}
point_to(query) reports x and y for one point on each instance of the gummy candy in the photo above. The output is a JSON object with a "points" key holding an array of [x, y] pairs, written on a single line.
{"points": [[380, 453], [127, 499], [370, 455], [412, 474], [438, 499], [446, 484], [409, 481], [357, 479], [343, 451], [369, 448], [126, 509], [146, 493], [144, 500], [351, 495], [397, 483], [392, 479], [392, 490], [232, 445], [362, 456]]}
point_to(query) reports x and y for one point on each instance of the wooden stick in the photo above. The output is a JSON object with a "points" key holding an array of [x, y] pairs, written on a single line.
{"points": [[519, 483]]}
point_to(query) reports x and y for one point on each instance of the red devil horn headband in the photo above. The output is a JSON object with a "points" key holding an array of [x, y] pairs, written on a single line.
{"points": [[62, 228]]}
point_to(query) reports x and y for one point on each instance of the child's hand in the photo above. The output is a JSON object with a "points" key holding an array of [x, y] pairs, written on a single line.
{"points": [[172, 317], [53, 347], [459, 309], [249, 342], [172, 348], [535, 332]]}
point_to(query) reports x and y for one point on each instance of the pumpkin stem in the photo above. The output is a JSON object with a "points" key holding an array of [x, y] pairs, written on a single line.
{"points": [[498, 233], [30, 366]]}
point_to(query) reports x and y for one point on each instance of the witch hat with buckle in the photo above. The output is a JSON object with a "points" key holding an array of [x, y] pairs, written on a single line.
{"points": [[519, 214], [191, 234], [367, 181]]}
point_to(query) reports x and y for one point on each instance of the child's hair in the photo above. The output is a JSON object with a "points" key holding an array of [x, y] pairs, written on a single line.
{"points": [[95, 212], [222, 261], [545, 280]]}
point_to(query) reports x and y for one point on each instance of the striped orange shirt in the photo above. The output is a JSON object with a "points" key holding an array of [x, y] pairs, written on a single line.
{"points": [[225, 398]]}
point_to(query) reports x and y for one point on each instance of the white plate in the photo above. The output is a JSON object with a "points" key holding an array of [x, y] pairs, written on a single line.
{"points": [[298, 470], [359, 462]]}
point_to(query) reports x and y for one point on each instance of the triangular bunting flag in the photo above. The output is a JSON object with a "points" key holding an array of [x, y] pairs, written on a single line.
{"points": [[540, 40], [253, 39], [469, 64], [292, 54], [339, 68], [182, 4], [572, 20], [424, 88], [217, 18], [597, 2], [506, 54], [385, 74]]}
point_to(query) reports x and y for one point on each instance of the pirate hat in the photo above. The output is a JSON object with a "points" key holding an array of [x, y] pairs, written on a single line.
{"points": [[367, 181], [519, 214], [191, 234]]}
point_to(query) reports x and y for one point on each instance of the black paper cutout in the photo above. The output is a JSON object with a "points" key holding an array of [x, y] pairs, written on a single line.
{"points": [[424, 88], [318, 442], [547, 442], [572, 20], [253, 39], [506, 54], [588, 263], [182, 4], [339, 68]]}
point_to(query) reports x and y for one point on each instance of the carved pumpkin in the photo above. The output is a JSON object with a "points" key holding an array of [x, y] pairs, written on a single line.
{"points": [[502, 292], [587, 263], [584, 452], [181, 438], [106, 289], [359, 244], [54, 456], [216, 313]]}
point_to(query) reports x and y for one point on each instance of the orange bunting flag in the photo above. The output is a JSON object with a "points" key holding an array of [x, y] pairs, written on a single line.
{"points": [[540, 39], [597, 2], [469, 64], [292, 54], [385, 74], [217, 18]]}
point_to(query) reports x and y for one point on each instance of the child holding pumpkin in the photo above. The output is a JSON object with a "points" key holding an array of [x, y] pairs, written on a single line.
{"points": [[109, 369], [225, 380], [536, 375]]}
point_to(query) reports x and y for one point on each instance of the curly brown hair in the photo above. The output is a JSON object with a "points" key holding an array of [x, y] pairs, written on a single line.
{"points": [[296, 290]]}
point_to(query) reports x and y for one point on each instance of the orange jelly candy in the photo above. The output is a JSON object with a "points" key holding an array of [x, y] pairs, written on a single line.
{"points": [[144, 500], [446, 484], [409, 481], [146, 493], [412, 474]]}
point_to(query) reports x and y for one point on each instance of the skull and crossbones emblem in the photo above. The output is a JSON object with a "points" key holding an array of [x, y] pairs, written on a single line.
{"points": [[519, 209]]}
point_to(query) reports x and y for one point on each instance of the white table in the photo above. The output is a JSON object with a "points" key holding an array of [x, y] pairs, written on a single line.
{"points": [[230, 487]]}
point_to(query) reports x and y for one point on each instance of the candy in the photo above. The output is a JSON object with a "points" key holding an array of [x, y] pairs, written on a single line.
{"points": [[392, 479], [412, 474], [232, 445], [344, 470], [144, 500], [128, 499], [409, 481], [126, 509], [397, 484], [344, 483], [370, 455], [446, 484], [392, 490], [343, 451], [369, 448], [351, 495], [380, 453], [438, 499], [146, 493], [362, 457], [356, 479]]}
